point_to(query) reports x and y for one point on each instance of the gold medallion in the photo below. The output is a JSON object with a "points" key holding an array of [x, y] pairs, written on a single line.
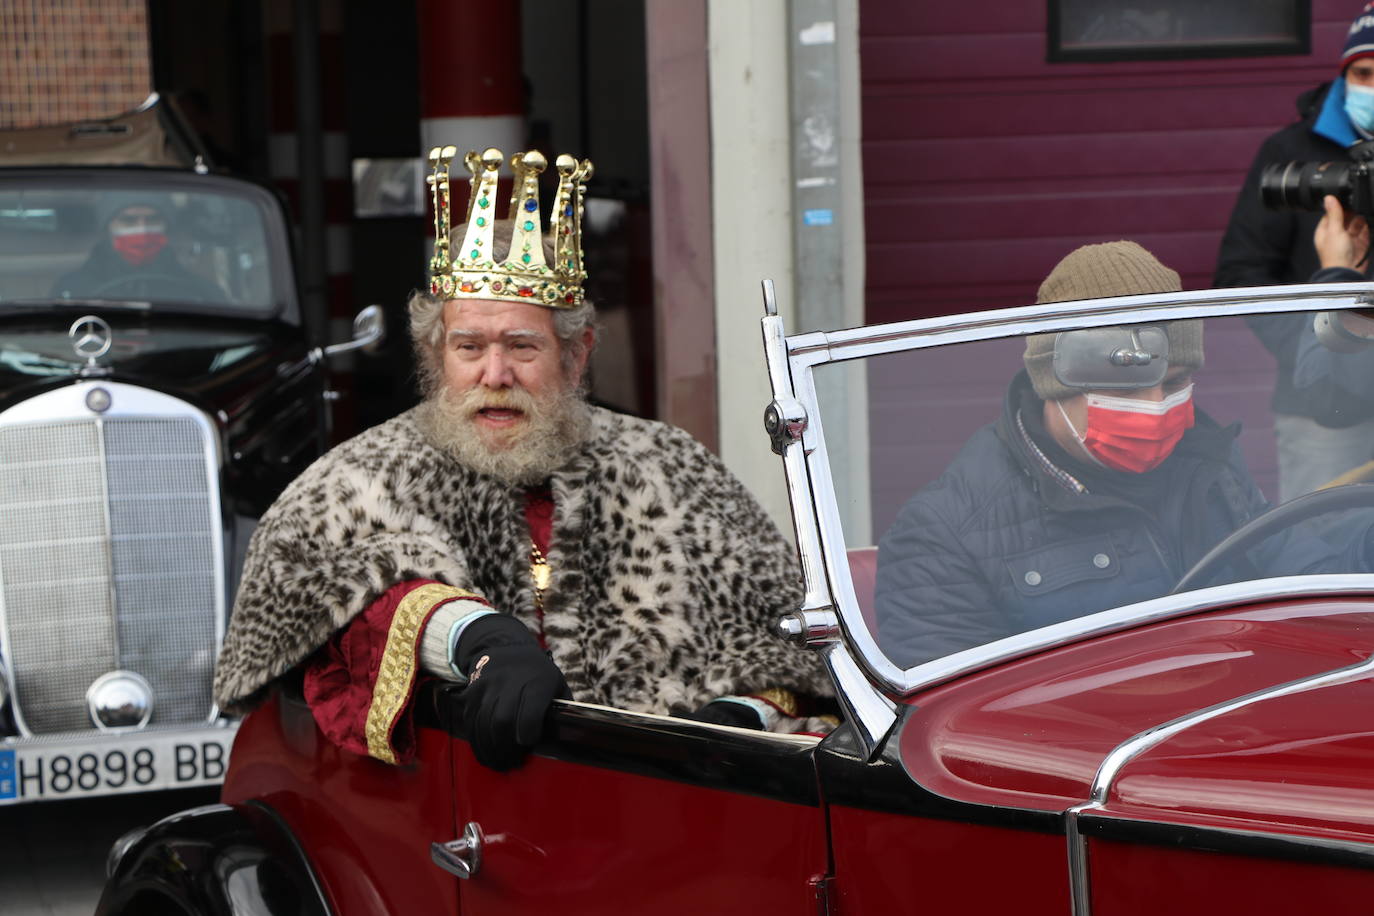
{"points": [[541, 574]]}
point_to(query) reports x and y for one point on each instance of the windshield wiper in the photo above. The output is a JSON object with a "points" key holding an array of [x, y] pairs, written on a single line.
{"points": [[50, 301], [35, 363]]}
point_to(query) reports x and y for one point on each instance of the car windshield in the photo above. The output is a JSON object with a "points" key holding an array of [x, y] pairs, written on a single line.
{"points": [[162, 244], [1001, 486]]}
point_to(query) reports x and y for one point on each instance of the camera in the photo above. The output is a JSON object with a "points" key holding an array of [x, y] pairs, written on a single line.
{"points": [[1302, 185]]}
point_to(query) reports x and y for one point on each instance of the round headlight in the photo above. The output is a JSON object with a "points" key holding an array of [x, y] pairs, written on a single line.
{"points": [[119, 699]]}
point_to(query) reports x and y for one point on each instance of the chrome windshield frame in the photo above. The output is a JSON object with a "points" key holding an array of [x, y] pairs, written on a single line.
{"points": [[816, 516]]}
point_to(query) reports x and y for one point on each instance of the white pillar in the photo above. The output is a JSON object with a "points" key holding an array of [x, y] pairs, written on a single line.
{"points": [[753, 223], [751, 204]]}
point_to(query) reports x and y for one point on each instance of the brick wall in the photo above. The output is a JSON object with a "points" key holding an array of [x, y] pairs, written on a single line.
{"points": [[65, 60]]}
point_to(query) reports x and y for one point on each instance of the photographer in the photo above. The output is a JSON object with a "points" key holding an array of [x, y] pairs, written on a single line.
{"points": [[1321, 428], [1342, 356]]}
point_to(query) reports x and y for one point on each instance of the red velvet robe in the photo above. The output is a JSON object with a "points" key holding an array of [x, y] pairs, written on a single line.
{"points": [[360, 683]]}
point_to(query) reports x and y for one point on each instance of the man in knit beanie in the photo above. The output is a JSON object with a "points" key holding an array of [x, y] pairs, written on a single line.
{"points": [[1098, 271], [1322, 429], [1099, 486]]}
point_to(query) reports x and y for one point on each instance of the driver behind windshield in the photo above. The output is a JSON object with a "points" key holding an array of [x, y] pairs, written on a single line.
{"points": [[133, 258], [1100, 485]]}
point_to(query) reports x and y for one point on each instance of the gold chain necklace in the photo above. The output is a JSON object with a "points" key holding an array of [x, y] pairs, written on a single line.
{"points": [[540, 574]]}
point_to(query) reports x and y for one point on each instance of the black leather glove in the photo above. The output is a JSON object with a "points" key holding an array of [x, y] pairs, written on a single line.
{"points": [[724, 712], [512, 682]]}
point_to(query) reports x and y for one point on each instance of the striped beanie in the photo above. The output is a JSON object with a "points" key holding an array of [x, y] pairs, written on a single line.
{"points": [[1360, 42]]}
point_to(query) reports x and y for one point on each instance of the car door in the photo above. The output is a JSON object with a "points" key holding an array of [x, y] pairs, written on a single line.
{"points": [[1039, 720], [630, 813]]}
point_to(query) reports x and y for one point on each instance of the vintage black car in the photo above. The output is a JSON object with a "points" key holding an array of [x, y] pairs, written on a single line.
{"points": [[158, 387]]}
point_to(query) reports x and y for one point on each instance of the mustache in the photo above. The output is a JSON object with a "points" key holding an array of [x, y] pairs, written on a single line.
{"points": [[473, 400], [551, 432]]}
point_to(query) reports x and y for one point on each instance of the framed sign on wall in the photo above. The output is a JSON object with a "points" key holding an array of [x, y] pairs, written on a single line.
{"points": [[1102, 30]]}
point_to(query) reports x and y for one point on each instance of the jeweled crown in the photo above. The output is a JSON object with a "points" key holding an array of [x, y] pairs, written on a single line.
{"points": [[470, 271]]}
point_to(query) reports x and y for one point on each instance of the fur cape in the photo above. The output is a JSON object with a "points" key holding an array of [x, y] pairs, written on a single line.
{"points": [[667, 575]]}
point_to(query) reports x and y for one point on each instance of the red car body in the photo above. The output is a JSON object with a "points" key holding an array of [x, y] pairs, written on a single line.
{"points": [[1185, 758]]}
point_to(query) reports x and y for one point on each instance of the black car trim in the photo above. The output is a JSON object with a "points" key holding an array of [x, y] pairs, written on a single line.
{"points": [[715, 757], [287, 842], [1287, 846], [155, 865]]}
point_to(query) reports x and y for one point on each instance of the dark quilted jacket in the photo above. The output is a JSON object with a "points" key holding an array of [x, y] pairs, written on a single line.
{"points": [[998, 544], [1263, 246]]}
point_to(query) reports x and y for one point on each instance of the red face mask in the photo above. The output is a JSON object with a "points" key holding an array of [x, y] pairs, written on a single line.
{"points": [[1126, 434], [138, 248]]}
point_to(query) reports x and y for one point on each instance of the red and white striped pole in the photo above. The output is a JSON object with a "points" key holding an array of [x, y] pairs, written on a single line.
{"points": [[472, 92]]}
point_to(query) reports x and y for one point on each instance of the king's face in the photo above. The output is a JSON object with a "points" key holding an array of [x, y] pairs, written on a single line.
{"points": [[496, 346]]}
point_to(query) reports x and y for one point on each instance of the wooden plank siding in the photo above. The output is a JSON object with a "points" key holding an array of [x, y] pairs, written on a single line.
{"points": [[984, 164]]}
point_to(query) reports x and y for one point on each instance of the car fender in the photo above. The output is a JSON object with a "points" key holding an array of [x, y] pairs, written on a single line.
{"points": [[213, 860]]}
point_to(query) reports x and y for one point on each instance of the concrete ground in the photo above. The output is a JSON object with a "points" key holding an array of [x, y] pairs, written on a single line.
{"points": [[52, 854]]}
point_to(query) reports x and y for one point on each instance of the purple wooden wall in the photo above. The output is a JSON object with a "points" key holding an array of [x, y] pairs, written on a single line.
{"points": [[984, 164]]}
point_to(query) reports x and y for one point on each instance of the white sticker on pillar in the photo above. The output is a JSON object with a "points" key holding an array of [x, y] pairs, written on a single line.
{"points": [[819, 33]]}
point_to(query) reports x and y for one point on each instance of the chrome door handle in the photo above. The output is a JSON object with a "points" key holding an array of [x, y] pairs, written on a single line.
{"points": [[461, 857]]}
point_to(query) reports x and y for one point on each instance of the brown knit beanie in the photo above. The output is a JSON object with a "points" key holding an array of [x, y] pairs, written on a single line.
{"points": [[1100, 272]]}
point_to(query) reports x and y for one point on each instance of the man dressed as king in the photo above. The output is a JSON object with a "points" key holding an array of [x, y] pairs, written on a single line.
{"points": [[508, 535]]}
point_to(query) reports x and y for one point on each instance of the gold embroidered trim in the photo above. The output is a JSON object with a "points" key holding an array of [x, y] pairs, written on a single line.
{"points": [[396, 674], [780, 697]]}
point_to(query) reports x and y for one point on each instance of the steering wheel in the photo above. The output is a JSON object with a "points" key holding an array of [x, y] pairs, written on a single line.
{"points": [[167, 286], [1300, 509]]}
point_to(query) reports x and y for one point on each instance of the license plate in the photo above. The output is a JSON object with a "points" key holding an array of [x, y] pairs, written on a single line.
{"points": [[110, 765]]}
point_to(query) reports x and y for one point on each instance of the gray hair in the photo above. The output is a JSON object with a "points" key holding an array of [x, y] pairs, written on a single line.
{"points": [[427, 317]]}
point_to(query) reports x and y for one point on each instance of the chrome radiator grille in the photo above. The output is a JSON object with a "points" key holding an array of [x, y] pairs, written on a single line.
{"points": [[109, 559]]}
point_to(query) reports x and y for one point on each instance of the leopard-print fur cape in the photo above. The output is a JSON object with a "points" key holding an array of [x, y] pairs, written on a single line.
{"points": [[667, 575]]}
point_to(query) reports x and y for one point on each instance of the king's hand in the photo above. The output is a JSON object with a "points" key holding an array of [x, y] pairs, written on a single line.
{"points": [[512, 682]]}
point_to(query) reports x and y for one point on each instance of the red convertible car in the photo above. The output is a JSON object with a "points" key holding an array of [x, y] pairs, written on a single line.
{"points": [[1109, 747]]}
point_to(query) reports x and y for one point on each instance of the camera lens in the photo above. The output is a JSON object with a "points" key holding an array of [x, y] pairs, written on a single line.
{"points": [[1302, 185]]}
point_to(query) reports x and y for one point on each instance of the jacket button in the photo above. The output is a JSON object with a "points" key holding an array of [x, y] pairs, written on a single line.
{"points": [[1032, 578], [1102, 561]]}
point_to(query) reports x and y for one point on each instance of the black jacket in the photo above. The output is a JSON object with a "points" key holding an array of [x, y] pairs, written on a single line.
{"points": [[1001, 543], [104, 274], [1263, 247]]}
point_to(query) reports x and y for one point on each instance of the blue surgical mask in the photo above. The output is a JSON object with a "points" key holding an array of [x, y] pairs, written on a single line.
{"points": [[1359, 106]]}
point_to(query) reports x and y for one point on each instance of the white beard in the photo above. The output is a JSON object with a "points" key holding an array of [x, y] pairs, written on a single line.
{"points": [[548, 435]]}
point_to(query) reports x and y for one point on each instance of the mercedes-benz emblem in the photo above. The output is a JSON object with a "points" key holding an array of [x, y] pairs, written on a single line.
{"points": [[90, 337]]}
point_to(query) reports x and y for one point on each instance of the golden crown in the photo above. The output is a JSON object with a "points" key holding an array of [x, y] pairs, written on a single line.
{"points": [[525, 274]]}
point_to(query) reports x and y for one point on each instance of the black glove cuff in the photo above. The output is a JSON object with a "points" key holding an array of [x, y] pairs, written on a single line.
{"points": [[727, 712], [487, 633]]}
